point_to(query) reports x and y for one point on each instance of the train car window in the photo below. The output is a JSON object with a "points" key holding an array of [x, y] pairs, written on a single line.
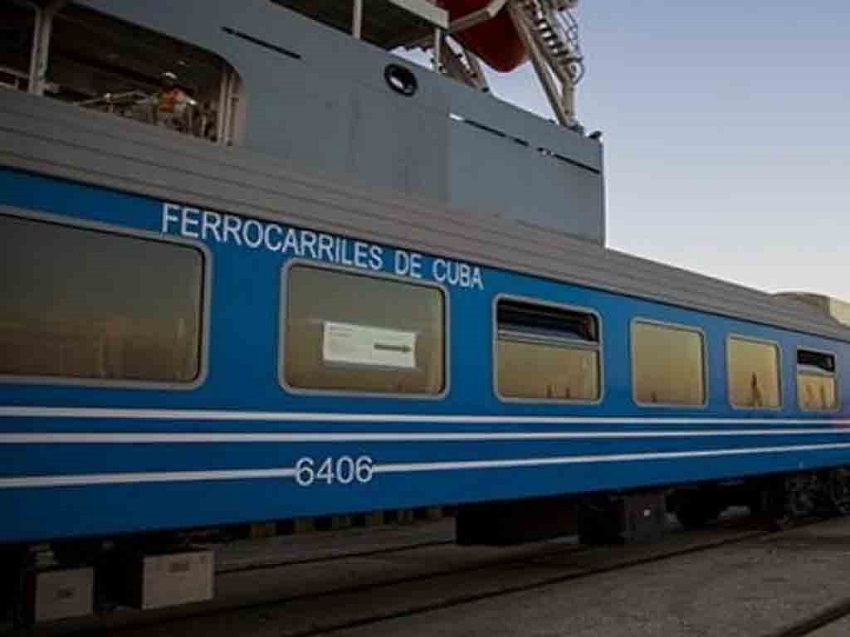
{"points": [[346, 331], [96, 305], [753, 373], [546, 352], [668, 365], [817, 386]]}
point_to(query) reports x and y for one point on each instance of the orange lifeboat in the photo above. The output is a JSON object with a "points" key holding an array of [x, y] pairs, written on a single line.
{"points": [[495, 41]]}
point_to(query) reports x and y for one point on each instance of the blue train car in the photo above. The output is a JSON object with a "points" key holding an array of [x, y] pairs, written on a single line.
{"points": [[195, 333], [169, 366]]}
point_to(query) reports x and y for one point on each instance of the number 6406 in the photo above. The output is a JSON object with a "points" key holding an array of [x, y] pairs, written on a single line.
{"points": [[342, 470]]}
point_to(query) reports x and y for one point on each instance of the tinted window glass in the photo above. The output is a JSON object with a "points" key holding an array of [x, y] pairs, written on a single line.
{"points": [[90, 304], [753, 373], [817, 387], [352, 332], [668, 365], [546, 353]]}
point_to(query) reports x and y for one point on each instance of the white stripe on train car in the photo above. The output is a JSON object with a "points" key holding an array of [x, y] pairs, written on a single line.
{"points": [[274, 416], [622, 457], [415, 467], [300, 437], [147, 476]]}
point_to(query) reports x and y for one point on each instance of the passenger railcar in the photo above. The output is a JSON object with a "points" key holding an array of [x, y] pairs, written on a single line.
{"points": [[194, 334], [169, 366]]}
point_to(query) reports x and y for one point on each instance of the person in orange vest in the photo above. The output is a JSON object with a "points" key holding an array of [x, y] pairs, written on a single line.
{"points": [[173, 105]]}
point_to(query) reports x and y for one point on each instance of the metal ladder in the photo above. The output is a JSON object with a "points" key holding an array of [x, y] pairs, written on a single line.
{"points": [[551, 36], [556, 30]]}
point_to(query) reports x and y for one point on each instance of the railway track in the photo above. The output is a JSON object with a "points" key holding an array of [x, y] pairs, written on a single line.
{"points": [[833, 621], [558, 577], [356, 588], [354, 591], [290, 551], [743, 611]]}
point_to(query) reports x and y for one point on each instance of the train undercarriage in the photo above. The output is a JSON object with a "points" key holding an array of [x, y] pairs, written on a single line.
{"points": [[114, 571]]}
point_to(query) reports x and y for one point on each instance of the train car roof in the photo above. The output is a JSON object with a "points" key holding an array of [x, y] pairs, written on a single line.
{"points": [[64, 141]]}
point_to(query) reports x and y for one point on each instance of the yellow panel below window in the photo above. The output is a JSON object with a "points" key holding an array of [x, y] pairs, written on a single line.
{"points": [[816, 392], [547, 372]]}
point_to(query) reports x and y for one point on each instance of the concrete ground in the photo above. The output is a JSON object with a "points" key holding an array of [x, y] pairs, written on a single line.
{"points": [[838, 629], [752, 589]]}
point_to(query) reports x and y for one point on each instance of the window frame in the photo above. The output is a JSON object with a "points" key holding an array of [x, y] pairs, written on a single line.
{"points": [[123, 231], [706, 376], [232, 118], [375, 274], [839, 399], [779, 367], [494, 340]]}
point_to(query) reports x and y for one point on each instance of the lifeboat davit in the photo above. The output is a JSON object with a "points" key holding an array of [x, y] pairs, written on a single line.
{"points": [[495, 41]]}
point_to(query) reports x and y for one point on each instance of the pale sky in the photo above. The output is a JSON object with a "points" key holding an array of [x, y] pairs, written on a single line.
{"points": [[726, 132]]}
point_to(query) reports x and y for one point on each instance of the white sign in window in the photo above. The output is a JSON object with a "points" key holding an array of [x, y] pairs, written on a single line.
{"points": [[364, 345]]}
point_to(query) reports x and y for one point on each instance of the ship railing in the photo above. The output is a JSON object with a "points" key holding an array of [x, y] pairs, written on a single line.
{"points": [[111, 78]]}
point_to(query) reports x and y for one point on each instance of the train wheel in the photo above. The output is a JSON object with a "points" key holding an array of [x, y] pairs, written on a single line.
{"points": [[791, 497], [839, 492], [800, 496]]}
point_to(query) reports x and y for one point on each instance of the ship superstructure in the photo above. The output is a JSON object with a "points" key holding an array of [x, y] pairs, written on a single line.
{"points": [[287, 79]]}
